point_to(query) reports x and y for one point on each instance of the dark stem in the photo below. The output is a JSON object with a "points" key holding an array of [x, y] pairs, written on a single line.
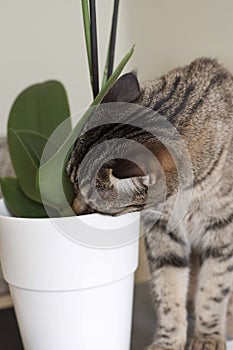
{"points": [[113, 38], [94, 48]]}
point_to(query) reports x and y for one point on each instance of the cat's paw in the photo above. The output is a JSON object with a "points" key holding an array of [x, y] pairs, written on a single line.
{"points": [[207, 344]]}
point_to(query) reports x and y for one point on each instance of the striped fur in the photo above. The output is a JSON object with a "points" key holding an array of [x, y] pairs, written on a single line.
{"points": [[193, 264]]}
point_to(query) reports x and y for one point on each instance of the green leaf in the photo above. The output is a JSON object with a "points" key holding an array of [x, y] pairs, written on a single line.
{"points": [[25, 163], [35, 144], [105, 73], [113, 77], [55, 187], [17, 202], [34, 116], [40, 108]]}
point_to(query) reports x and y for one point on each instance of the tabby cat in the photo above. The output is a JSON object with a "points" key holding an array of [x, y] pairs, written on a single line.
{"points": [[197, 100]]}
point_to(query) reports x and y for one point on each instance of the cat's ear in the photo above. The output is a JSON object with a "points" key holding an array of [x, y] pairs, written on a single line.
{"points": [[126, 89]]}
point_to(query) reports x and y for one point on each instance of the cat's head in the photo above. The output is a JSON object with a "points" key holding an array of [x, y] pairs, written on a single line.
{"points": [[117, 166], [141, 136]]}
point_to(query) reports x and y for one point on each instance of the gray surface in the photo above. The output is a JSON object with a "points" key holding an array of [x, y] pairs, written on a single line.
{"points": [[143, 324], [143, 319]]}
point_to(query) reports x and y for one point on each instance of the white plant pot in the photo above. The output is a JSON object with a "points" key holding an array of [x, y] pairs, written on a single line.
{"points": [[68, 296]]}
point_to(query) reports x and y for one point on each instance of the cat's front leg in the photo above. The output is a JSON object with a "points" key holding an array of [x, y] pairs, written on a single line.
{"points": [[214, 287], [168, 256]]}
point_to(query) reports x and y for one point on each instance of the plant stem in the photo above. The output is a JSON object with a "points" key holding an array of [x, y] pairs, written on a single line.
{"points": [[113, 38], [86, 22], [48, 180], [108, 69], [94, 48], [113, 77]]}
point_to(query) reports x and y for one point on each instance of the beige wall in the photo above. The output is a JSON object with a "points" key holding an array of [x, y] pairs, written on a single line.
{"points": [[44, 40], [172, 32]]}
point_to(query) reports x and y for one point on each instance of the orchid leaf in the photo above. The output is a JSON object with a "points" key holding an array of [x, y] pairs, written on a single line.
{"points": [[35, 144], [17, 202], [34, 116], [40, 108], [113, 77], [25, 163], [57, 190]]}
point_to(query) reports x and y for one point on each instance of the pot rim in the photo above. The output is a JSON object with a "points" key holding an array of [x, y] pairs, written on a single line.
{"points": [[83, 218]]}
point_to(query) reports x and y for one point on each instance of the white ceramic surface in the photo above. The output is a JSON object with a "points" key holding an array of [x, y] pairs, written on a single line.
{"points": [[86, 319], [68, 296], [36, 255]]}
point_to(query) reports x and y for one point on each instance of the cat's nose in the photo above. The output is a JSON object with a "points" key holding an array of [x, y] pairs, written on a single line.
{"points": [[124, 169], [80, 207]]}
